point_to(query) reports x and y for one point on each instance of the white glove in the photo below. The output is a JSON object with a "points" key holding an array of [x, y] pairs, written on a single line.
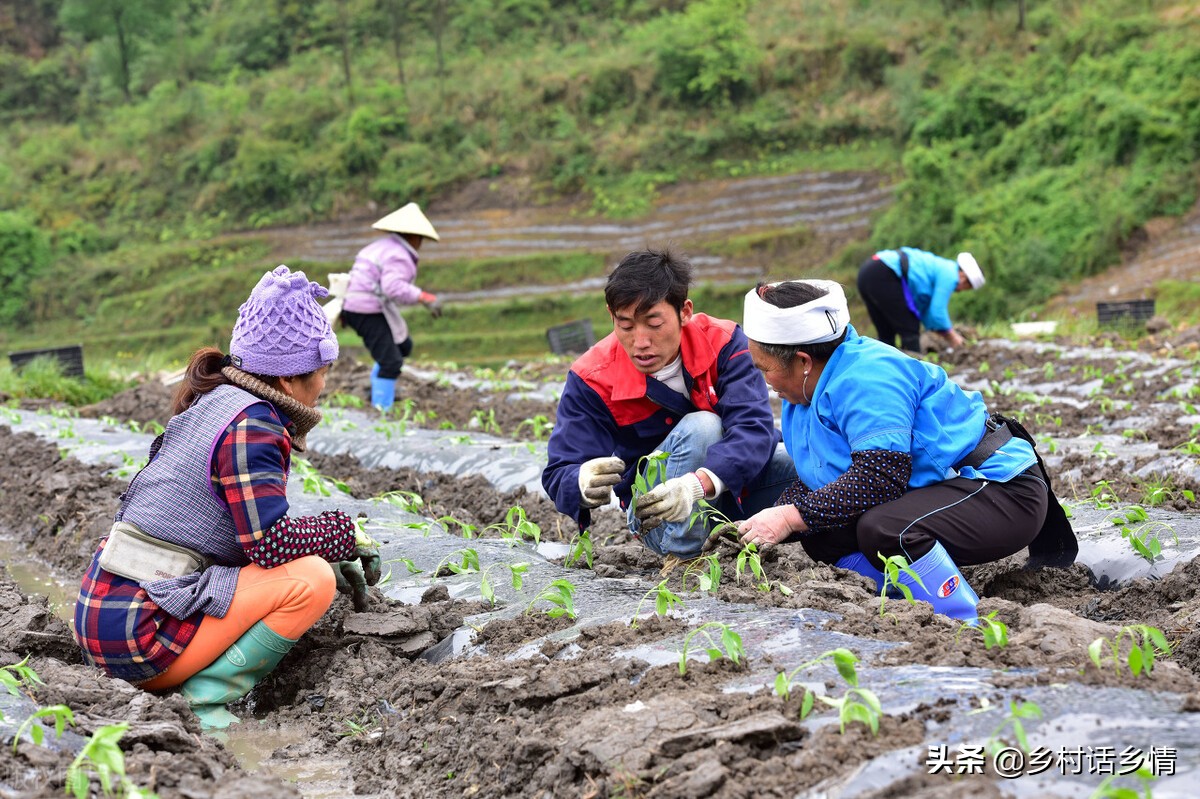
{"points": [[671, 501], [596, 480]]}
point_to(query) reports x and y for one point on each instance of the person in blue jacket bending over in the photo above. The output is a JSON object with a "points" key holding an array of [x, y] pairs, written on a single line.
{"points": [[891, 456], [666, 380], [906, 288]]}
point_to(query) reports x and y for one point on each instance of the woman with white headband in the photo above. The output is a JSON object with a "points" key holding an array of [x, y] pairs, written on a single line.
{"points": [[906, 288], [892, 457]]}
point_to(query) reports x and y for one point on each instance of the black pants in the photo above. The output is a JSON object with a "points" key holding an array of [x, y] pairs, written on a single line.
{"points": [[883, 294], [377, 337], [977, 521]]}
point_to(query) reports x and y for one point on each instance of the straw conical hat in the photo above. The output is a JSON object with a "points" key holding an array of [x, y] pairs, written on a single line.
{"points": [[408, 219]]}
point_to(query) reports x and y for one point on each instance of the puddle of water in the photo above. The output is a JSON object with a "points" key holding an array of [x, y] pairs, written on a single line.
{"points": [[255, 745], [36, 578]]}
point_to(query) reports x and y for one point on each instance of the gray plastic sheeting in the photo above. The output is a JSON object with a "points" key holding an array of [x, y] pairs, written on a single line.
{"points": [[773, 637]]}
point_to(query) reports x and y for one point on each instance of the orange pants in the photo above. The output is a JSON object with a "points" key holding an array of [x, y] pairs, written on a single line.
{"points": [[288, 598]]}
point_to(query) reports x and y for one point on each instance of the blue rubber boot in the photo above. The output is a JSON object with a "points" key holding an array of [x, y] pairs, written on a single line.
{"points": [[375, 371], [858, 562], [383, 393], [945, 587], [233, 674]]}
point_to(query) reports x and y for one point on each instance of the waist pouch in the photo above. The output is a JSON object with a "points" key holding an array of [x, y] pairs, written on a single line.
{"points": [[133, 554]]}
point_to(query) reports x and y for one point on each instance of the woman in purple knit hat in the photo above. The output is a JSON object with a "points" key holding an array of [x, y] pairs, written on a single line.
{"points": [[205, 582]]}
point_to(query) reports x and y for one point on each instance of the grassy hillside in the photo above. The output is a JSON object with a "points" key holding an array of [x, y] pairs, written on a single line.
{"points": [[1041, 149]]}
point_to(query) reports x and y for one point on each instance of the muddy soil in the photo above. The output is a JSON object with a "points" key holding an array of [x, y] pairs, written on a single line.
{"points": [[571, 717]]}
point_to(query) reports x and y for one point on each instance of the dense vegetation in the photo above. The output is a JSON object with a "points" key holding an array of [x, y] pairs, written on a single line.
{"points": [[136, 131]]}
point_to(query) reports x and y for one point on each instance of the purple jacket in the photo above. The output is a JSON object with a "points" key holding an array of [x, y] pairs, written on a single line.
{"points": [[388, 262]]}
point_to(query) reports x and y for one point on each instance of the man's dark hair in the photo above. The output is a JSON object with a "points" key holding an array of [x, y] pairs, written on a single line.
{"points": [[647, 277], [789, 295]]}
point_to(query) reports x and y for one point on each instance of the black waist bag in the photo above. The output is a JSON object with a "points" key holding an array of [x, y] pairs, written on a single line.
{"points": [[1055, 544]]}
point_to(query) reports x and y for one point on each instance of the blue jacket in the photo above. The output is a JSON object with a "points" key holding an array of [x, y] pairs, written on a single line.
{"points": [[932, 281], [610, 408], [872, 396]]}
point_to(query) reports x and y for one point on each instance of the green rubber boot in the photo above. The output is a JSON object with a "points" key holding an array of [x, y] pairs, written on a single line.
{"points": [[233, 674]]}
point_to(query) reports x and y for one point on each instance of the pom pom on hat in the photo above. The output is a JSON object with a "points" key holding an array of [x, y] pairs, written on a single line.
{"points": [[281, 329]]}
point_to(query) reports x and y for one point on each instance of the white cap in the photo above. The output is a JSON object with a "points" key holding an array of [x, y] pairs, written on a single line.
{"points": [[408, 219], [970, 267], [814, 322]]}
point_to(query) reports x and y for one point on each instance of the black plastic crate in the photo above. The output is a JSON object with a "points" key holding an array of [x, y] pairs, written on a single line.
{"points": [[1124, 312], [573, 337], [70, 359]]}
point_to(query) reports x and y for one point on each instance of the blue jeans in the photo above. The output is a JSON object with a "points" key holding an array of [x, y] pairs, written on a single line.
{"points": [[688, 446]]}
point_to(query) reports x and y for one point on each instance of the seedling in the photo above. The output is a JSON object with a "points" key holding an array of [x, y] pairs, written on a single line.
{"points": [[409, 501], [857, 704], [1103, 495], [892, 567], [460, 561], [749, 560], [664, 600], [360, 726], [581, 549], [1016, 712], [516, 527], [487, 421], [411, 566], [1137, 528], [729, 646], [516, 572], [341, 400], [539, 427], [843, 659], [1108, 789], [102, 757], [314, 482], [651, 470], [560, 594], [706, 572], [62, 717], [465, 529], [1145, 642], [995, 633], [13, 676]]}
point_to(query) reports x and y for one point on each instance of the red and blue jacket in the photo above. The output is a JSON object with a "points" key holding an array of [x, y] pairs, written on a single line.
{"points": [[610, 408]]}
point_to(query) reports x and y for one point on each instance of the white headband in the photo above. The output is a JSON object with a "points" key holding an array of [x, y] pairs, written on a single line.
{"points": [[814, 322]]}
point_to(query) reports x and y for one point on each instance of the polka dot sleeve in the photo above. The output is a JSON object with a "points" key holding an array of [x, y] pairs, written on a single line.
{"points": [[329, 534], [875, 476]]}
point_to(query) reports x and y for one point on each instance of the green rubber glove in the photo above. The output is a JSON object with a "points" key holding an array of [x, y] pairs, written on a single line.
{"points": [[354, 576], [352, 582]]}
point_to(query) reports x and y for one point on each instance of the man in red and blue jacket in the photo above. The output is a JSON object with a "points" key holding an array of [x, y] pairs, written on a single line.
{"points": [[666, 380]]}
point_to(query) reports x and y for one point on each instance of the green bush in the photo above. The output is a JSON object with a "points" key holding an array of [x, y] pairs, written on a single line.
{"points": [[24, 254], [865, 61], [706, 55], [609, 88]]}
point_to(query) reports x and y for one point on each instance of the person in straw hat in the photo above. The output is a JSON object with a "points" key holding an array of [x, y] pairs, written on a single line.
{"points": [[906, 288], [382, 279], [205, 581], [892, 457]]}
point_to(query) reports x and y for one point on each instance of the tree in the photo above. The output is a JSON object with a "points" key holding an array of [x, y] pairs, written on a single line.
{"points": [[24, 254], [124, 24]]}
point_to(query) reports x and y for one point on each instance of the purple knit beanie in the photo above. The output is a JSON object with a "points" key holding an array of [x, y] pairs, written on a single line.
{"points": [[281, 330]]}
